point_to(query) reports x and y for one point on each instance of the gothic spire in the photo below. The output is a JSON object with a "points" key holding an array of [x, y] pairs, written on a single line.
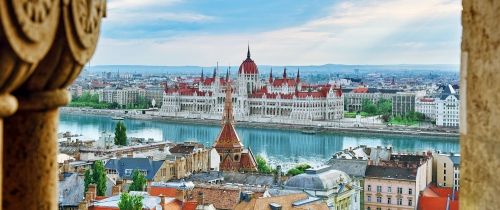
{"points": [[284, 73], [202, 77], [271, 76], [248, 52], [228, 117]]}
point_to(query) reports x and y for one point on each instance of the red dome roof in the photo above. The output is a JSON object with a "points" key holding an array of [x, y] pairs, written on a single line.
{"points": [[248, 66]]}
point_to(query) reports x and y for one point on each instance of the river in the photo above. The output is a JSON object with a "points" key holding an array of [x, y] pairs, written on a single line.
{"points": [[284, 147]]}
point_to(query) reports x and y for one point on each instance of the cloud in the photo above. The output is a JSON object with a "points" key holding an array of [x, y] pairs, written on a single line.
{"points": [[357, 32]]}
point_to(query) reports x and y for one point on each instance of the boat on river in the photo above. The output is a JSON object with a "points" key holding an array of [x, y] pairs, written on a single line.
{"points": [[117, 118]]}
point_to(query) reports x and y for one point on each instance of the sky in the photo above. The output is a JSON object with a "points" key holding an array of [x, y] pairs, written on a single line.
{"points": [[279, 32]]}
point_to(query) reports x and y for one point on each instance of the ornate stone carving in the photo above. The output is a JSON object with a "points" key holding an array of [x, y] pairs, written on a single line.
{"points": [[29, 26]]}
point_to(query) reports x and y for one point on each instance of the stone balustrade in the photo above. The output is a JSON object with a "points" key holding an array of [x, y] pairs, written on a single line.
{"points": [[44, 45]]}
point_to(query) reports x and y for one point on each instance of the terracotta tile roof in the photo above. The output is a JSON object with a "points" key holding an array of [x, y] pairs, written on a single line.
{"points": [[285, 201], [159, 190], [228, 138], [222, 197], [434, 197]]}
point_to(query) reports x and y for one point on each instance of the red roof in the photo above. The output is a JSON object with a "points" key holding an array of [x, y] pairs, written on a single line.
{"points": [[360, 90], [427, 100], [433, 198], [228, 138], [166, 191], [287, 81], [248, 66]]}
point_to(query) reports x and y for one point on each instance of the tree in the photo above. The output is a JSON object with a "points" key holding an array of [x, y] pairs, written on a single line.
{"points": [[384, 107], [99, 177], [130, 202], [298, 169], [138, 181], [262, 165], [120, 134], [87, 180], [368, 107]]}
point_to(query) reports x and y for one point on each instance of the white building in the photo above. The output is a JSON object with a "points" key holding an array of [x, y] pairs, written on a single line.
{"points": [[447, 111], [121, 96], [255, 99], [426, 106], [444, 109]]}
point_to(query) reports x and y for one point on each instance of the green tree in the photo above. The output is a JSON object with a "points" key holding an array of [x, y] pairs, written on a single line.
{"points": [[368, 107], [87, 180], [99, 177], [298, 169], [120, 134], [263, 166], [130, 202], [138, 181], [384, 107]]}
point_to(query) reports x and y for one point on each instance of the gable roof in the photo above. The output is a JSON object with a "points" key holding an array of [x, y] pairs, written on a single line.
{"points": [[356, 168], [120, 165]]}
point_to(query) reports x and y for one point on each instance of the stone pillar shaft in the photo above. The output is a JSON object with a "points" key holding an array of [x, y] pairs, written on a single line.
{"points": [[30, 160]]}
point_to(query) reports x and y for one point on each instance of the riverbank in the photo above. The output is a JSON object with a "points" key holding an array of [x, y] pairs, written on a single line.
{"points": [[400, 131]]}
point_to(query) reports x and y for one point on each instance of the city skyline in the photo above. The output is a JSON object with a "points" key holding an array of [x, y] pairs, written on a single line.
{"points": [[179, 32]]}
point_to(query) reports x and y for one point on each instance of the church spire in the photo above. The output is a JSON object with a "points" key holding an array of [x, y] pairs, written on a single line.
{"points": [[202, 77], [228, 117], [284, 73], [298, 75], [271, 76], [248, 52]]}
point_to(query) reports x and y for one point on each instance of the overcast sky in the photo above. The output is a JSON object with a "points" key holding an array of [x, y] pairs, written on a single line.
{"points": [[280, 32]]}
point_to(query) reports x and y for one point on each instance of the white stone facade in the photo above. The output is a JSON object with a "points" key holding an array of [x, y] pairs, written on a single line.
{"points": [[205, 100]]}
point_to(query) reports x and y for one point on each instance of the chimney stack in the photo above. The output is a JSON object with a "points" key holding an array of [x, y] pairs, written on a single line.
{"points": [[91, 193]]}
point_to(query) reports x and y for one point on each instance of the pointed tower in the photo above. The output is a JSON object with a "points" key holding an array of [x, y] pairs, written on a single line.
{"points": [[233, 156], [284, 73], [202, 77], [271, 76]]}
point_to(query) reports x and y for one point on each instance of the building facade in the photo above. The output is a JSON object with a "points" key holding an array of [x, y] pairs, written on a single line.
{"points": [[354, 97], [122, 96], [426, 106], [396, 183], [254, 99], [403, 103], [447, 168]]}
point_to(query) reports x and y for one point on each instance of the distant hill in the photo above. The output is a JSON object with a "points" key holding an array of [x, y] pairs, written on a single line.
{"points": [[327, 68]]}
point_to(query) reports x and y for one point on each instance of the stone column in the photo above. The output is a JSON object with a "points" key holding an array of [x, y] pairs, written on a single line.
{"points": [[27, 31], [29, 159], [480, 105]]}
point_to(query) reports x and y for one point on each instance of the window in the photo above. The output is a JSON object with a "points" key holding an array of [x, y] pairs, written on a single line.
{"points": [[368, 208], [389, 201], [400, 201], [369, 188], [379, 188], [378, 208], [444, 172], [444, 165], [379, 199], [128, 172], [369, 198], [389, 189], [410, 191], [400, 190], [444, 178], [410, 202]]}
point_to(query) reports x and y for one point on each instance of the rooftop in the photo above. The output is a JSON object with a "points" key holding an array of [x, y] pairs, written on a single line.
{"points": [[391, 172]]}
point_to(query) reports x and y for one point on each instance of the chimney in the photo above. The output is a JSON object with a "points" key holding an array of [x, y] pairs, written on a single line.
{"points": [[179, 195], [162, 200], [200, 199], [91, 193]]}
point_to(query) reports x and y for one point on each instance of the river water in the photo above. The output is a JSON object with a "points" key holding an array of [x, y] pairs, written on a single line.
{"points": [[284, 147]]}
